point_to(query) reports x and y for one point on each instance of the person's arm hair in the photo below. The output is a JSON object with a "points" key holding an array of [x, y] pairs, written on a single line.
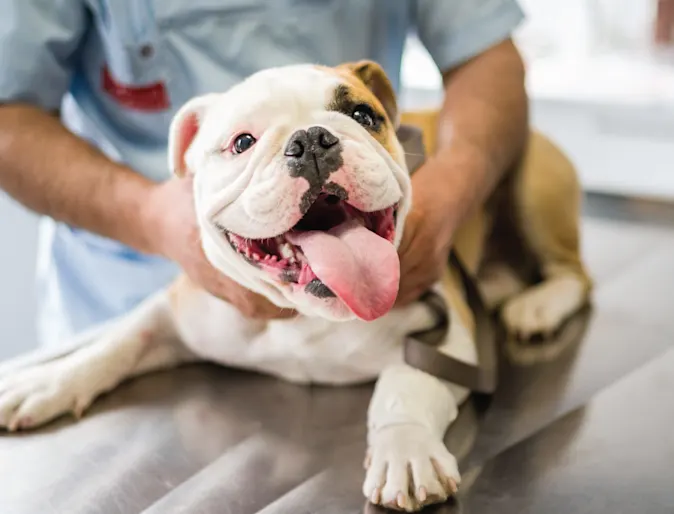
{"points": [[483, 126], [53, 172]]}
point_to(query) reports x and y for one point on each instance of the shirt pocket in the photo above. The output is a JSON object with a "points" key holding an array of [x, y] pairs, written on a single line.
{"points": [[159, 53], [131, 40]]}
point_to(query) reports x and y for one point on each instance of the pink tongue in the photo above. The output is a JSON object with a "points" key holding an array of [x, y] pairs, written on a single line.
{"points": [[359, 266]]}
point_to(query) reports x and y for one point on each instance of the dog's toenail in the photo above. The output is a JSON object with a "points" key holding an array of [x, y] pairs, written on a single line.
{"points": [[422, 494]]}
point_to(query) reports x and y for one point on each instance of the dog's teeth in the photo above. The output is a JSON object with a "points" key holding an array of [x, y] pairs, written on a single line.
{"points": [[286, 251], [256, 257]]}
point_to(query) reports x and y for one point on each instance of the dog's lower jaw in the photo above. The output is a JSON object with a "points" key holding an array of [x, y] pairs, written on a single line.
{"points": [[225, 260], [408, 465]]}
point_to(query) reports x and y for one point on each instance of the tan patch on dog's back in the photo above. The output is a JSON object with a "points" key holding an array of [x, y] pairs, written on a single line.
{"points": [[427, 121]]}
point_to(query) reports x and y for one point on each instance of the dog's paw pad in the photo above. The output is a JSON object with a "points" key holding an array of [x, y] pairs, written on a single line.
{"points": [[409, 468]]}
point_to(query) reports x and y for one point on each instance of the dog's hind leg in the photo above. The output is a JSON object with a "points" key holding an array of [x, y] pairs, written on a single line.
{"points": [[547, 199], [141, 341]]}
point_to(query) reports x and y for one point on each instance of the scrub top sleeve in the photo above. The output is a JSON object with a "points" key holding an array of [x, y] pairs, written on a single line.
{"points": [[454, 31]]}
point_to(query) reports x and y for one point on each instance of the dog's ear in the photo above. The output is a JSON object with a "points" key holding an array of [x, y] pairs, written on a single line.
{"points": [[183, 129], [375, 79]]}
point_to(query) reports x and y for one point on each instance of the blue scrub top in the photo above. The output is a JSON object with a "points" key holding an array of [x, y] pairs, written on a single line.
{"points": [[119, 69]]}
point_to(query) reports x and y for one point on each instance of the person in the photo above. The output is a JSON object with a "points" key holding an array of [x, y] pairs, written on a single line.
{"points": [[88, 89]]}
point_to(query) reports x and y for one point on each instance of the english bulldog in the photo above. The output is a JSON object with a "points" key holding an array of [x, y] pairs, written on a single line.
{"points": [[301, 192]]}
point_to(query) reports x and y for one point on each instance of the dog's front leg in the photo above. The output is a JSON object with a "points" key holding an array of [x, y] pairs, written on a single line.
{"points": [[408, 465], [142, 341]]}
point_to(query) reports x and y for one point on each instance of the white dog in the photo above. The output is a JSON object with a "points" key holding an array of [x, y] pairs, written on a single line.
{"points": [[301, 193]]}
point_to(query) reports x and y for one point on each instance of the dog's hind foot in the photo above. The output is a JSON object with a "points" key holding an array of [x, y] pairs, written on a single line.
{"points": [[541, 310]]}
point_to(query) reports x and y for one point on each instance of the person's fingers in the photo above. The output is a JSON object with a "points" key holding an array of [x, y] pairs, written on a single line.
{"points": [[410, 234], [415, 283], [217, 284], [410, 296], [253, 305], [265, 309], [250, 304], [274, 312], [414, 272], [410, 265], [415, 256], [407, 242], [411, 291]]}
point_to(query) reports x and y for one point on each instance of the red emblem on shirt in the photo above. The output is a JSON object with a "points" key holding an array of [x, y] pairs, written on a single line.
{"points": [[148, 98]]}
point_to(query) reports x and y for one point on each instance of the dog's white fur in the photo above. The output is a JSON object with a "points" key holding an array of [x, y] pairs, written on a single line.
{"points": [[253, 195]]}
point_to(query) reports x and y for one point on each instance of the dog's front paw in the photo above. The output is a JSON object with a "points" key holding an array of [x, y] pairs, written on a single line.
{"points": [[408, 467], [32, 396]]}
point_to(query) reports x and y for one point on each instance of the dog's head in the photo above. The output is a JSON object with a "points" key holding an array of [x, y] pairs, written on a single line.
{"points": [[300, 184]]}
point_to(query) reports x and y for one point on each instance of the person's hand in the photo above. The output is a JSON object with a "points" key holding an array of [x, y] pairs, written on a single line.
{"points": [[173, 232], [424, 249]]}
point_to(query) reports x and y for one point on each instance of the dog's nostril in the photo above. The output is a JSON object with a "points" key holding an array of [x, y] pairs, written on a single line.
{"points": [[327, 139], [322, 137], [294, 149]]}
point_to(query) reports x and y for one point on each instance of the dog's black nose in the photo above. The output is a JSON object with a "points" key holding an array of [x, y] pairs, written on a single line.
{"points": [[316, 140], [313, 154]]}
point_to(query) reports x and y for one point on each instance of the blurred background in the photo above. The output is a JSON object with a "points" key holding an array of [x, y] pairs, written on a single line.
{"points": [[601, 83]]}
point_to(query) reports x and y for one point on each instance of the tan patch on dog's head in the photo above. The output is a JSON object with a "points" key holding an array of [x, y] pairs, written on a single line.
{"points": [[364, 83]]}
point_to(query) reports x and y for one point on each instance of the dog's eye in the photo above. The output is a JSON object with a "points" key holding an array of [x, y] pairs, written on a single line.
{"points": [[243, 143], [364, 115]]}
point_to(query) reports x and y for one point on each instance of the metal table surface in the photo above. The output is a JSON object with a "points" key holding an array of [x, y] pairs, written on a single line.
{"points": [[582, 427]]}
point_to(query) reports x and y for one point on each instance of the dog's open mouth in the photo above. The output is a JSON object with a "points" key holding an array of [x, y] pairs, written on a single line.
{"points": [[334, 250]]}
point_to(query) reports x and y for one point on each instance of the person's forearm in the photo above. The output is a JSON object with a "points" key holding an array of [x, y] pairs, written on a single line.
{"points": [[482, 129], [53, 172]]}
